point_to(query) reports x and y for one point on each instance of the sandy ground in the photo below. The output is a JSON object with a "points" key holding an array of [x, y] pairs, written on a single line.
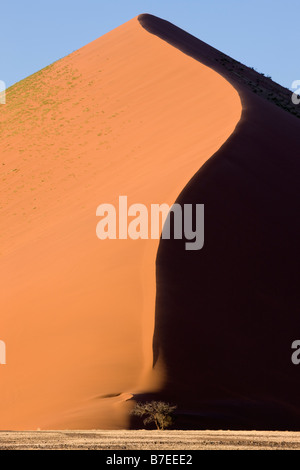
{"points": [[150, 440]]}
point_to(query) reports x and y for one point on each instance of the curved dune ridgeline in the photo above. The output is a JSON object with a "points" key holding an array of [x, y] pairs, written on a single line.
{"points": [[226, 316], [128, 114]]}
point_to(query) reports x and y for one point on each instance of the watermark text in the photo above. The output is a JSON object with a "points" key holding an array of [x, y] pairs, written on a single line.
{"points": [[2, 353], [137, 222], [2, 92], [296, 94]]}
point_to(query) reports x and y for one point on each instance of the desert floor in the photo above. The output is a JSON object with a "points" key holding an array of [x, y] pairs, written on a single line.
{"points": [[149, 440]]}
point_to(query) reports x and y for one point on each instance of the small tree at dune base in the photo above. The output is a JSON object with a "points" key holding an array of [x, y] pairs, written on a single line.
{"points": [[157, 412]]}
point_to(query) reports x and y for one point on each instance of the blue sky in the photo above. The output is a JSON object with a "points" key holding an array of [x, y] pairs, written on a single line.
{"points": [[264, 34]]}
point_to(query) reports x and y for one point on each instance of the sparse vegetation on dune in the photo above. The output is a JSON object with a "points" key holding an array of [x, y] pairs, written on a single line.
{"points": [[260, 84]]}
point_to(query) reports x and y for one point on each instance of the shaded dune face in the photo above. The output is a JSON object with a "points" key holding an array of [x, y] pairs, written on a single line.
{"points": [[226, 316], [129, 115]]}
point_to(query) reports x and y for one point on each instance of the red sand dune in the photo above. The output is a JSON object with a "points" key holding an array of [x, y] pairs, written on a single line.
{"points": [[137, 113], [126, 115]]}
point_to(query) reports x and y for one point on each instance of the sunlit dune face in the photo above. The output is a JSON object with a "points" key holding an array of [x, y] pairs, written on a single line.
{"points": [[126, 115]]}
